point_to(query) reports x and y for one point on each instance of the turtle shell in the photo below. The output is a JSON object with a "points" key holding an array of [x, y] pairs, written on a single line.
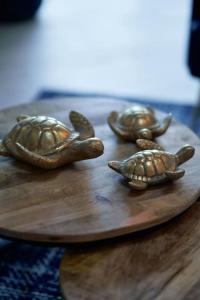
{"points": [[147, 165], [137, 117], [40, 134]]}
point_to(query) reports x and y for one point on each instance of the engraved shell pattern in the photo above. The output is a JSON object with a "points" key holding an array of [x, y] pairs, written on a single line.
{"points": [[149, 165], [137, 116], [41, 134]]}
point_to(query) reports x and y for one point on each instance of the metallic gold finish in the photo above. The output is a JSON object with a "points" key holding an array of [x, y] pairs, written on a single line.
{"points": [[138, 122], [47, 143], [158, 165]]}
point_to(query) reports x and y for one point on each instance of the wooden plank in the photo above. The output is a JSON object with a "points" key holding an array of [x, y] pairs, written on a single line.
{"points": [[87, 201], [159, 264]]}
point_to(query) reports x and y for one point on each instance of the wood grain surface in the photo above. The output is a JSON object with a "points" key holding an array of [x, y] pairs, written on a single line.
{"points": [[158, 264], [87, 201]]}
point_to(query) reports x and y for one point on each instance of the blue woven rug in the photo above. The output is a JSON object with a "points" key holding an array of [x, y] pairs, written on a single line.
{"points": [[30, 272]]}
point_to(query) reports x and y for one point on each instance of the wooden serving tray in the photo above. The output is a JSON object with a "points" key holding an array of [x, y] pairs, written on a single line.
{"points": [[87, 201], [159, 264]]}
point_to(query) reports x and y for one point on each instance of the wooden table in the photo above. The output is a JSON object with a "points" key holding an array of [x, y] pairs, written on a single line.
{"points": [[158, 264]]}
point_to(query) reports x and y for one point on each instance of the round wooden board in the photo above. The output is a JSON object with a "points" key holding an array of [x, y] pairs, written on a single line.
{"points": [[88, 201], [158, 264]]}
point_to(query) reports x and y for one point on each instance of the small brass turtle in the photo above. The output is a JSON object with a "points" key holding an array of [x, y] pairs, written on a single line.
{"points": [[152, 165], [47, 143], [137, 122]]}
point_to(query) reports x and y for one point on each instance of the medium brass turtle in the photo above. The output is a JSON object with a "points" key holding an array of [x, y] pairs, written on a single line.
{"points": [[47, 143], [152, 165], [137, 122]]}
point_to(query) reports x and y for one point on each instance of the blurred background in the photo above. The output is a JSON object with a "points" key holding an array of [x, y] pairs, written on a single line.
{"points": [[133, 48]]}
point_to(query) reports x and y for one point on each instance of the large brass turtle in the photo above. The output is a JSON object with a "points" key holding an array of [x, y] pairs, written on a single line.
{"points": [[47, 143], [137, 122], [152, 165]]}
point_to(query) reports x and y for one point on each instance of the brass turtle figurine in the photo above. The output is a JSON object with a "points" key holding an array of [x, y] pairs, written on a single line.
{"points": [[47, 143], [137, 122], [152, 165]]}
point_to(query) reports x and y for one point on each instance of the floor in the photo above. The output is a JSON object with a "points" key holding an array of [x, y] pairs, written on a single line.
{"points": [[127, 47]]}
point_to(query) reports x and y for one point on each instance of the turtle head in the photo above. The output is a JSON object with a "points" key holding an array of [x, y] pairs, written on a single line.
{"points": [[184, 154], [145, 133], [94, 147], [89, 148], [115, 165]]}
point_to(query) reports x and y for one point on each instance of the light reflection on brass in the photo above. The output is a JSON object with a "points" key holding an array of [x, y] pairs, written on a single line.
{"points": [[47, 143], [137, 122], [159, 165]]}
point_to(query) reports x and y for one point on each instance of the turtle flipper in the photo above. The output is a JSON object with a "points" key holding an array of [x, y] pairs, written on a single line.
{"points": [[82, 125], [184, 154], [3, 150], [37, 159], [22, 117], [148, 145], [112, 121], [138, 184], [163, 127], [174, 175]]}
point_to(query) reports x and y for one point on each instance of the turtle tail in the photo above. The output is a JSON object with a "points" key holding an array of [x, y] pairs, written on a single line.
{"points": [[82, 125], [184, 154]]}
